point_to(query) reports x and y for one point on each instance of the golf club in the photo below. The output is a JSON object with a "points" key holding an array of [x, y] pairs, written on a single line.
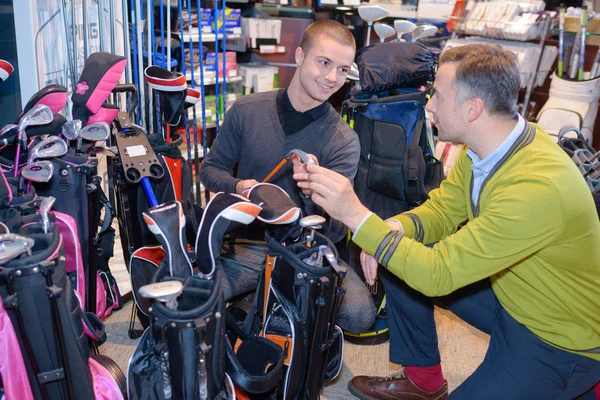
{"points": [[51, 147], [423, 31], [301, 155], [402, 26], [70, 130], [98, 132], [384, 31], [371, 13], [561, 35], [45, 207], [13, 245], [38, 115], [165, 292], [39, 171], [312, 222]]}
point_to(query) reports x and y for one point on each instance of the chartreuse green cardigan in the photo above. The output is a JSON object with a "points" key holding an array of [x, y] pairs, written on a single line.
{"points": [[535, 233]]}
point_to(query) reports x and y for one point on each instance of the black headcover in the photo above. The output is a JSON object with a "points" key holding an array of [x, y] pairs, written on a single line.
{"points": [[392, 65]]}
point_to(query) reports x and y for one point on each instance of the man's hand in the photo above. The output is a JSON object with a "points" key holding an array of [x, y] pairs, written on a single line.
{"points": [[334, 193], [300, 168], [241, 186], [369, 263]]}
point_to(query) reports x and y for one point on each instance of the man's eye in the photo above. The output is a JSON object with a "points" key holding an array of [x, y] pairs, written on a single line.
{"points": [[324, 62], [344, 70]]}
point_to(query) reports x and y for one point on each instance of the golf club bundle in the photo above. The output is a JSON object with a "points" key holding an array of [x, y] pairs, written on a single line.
{"points": [[44, 331], [397, 165], [182, 353]]}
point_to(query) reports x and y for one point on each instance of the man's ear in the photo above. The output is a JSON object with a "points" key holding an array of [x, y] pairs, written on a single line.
{"points": [[475, 107], [299, 56]]}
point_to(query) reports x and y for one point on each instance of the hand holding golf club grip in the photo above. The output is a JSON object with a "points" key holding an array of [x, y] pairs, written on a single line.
{"points": [[167, 222]]}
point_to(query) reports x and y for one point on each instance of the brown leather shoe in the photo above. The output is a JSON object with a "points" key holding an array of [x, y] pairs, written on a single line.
{"points": [[396, 386]]}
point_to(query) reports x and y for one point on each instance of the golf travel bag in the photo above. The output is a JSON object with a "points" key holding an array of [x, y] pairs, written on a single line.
{"points": [[397, 166], [44, 348]]}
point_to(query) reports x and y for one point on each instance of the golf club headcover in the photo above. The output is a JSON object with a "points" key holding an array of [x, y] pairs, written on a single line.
{"points": [[171, 107], [54, 96], [107, 113], [191, 97], [53, 128], [100, 74], [167, 222], [224, 213], [277, 206], [6, 69], [163, 80]]}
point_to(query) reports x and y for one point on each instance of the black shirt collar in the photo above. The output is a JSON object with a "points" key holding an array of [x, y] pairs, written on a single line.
{"points": [[285, 105]]}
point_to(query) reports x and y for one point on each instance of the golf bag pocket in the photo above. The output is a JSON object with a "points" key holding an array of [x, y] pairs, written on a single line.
{"points": [[389, 142], [181, 354], [74, 261]]}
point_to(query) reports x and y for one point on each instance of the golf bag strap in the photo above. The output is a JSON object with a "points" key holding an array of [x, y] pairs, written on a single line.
{"points": [[93, 327], [263, 351], [109, 214], [414, 166]]}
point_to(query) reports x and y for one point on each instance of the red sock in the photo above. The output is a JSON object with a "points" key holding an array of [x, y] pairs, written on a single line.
{"points": [[597, 390], [429, 379]]}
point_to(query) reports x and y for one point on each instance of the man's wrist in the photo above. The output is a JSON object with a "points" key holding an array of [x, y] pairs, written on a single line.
{"points": [[356, 219]]}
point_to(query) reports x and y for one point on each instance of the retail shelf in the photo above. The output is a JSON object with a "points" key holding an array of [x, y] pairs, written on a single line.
{"points": [[211, 80], [208, 37]]}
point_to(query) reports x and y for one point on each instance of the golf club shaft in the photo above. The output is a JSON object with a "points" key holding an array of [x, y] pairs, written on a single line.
{"points": [[582, 46], [561, 37], [203, 114], [275, 170], [217, 31], [149, 192], [224, 109]]}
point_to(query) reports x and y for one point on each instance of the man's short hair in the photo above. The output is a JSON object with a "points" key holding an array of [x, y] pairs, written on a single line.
{"points": [[488, 72], [328, 28]]}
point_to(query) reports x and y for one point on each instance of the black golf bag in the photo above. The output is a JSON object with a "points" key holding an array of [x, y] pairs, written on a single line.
{"points": [[397, 166], [44, 347], [182, 353]]}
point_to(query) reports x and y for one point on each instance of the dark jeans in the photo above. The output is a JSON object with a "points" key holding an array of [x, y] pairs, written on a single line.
{"points": [[517, 365]]}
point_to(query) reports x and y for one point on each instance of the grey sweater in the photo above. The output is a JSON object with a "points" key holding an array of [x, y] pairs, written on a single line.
{"points": [[252, 135]]}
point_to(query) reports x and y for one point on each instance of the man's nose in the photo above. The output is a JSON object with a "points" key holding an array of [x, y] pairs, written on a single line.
{"points": [[331, 75]]}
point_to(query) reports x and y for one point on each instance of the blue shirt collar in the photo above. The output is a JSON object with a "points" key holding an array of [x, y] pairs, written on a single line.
{"points": [[491, 160]]}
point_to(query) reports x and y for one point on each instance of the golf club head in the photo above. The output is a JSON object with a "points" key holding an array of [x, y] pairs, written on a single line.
{"points": [[402, 26], [45, 207], [164, 291], [39, 171], [98, 132], [372, 12], [70, 130], [38, 115], [302, 155], [104, 150], [312, 221], [51, 147], [8, 128], [423, 31], [354, 75], [6, 69], [384, 31], [13, 245]]}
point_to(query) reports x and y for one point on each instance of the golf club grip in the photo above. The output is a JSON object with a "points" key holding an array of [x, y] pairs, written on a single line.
{"points": [[125, 88], [167, 222]]}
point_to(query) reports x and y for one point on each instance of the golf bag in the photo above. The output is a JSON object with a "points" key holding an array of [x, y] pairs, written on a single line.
{"points": [[296, 306], [45, 353], [397, 166], [182, 353]]}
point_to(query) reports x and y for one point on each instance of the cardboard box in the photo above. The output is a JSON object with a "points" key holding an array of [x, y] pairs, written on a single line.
{"points": [[232, 22], [230, 63]]}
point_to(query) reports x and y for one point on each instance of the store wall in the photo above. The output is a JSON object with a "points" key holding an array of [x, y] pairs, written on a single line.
{"points": [[10, 96]]}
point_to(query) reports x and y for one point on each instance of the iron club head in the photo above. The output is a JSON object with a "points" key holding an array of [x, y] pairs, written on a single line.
{"points": [[13, 245], [45, 207], [99, 131], [51, 147], [39, 171], [38, 115], [70, 130]]}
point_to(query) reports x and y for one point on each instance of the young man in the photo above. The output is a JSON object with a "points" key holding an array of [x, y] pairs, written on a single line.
{"points": [[260, 129], [524, 267]]}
